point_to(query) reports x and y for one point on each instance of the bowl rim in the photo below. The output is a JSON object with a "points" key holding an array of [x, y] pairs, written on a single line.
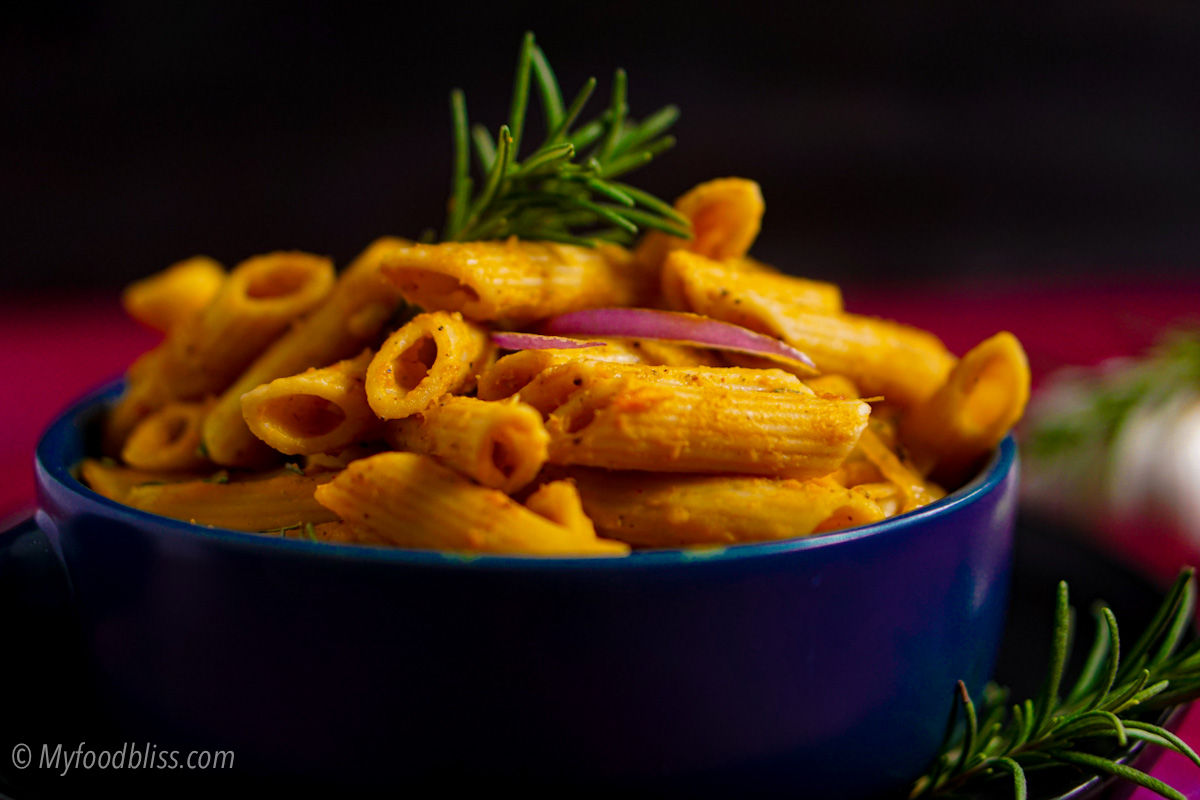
{"points": [[67, 427]]}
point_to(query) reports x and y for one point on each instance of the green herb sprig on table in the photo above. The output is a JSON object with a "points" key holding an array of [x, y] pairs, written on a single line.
{"points": [[1079, 728], [565, 189], [1171, 367]]}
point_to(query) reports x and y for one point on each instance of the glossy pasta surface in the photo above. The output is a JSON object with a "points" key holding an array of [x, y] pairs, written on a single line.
{"points": [[373, 408]]}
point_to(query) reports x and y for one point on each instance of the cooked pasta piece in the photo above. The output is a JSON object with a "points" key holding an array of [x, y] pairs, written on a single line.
{"points": [[512, 373], [352, 318], [316, 411], [410, 500], [902, 364], [168, 298], [552, 387], [501, 445], [643, 421], [259, 505], [670, 354], [884, 494], [743, 293], [433, 354], [168, 439], [518, 281], [559, 501], [337, 460], [914, 490], [725, 216], [656, 510], [261, 297], [980, 402], [108, 478]]}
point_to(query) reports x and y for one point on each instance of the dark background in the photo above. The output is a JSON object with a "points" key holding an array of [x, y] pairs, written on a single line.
{"points": [[931, 142]]}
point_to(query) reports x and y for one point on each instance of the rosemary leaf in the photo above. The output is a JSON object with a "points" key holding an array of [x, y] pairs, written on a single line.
{"points": [[542, 195], [460, 184], [1020, 784], [1096, 713], [520, 98], [1110, 767], [552, 100], [654, 125], [485, 148], [1048, 697]]}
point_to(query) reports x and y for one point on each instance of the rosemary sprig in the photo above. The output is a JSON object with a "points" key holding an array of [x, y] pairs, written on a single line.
{"points": [[1078, 728], [564, 189]]}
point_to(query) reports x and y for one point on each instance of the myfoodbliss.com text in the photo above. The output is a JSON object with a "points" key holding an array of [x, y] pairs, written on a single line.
{"points": [[133, 756]]}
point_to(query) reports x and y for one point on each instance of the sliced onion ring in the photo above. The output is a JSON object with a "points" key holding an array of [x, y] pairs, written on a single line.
{"points": [[533, 341], [673, 326]]}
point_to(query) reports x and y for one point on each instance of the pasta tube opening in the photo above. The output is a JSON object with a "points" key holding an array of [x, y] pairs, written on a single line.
{"points": [[433, 354], [303, 416], [314, 412]]}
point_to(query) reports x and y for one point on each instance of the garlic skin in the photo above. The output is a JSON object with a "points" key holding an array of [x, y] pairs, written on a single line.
{"points": [[1144, 473]]}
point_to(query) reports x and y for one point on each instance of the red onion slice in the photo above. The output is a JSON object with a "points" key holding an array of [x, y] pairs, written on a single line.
{"points": [[533, 341], [674, 326]]}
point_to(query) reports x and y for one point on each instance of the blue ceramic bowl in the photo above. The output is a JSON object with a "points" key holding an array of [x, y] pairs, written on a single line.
{"points": [[824, 665]]}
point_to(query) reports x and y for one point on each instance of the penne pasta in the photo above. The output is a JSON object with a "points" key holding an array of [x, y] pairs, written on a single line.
{"points": [[260, 505], [982, 399], [109, 479], [654, 510], [168, 439], [743, 293], [914, 490], [316, 411], [552, 387], [512, 373], [640, 421], [433, 354], [517, 281], [725, 216], [559, 501], [411, 501], [501, 445], [261, 297], [902, 364], [175, 295], [351, 318]]}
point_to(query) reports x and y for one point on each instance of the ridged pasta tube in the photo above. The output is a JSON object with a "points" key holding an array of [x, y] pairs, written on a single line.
{"points": [[559, 501], [982, 399], [169, 298], [352, 318], [642, 422], [552, 387], [168, 439], [316, 411], [261, 297], [743, 293], [518, 281], [255, 505], [108, 479], [433, 354], [513, 372], [904, 365], [655, 510], [501, 445], [725, 216], [409, 500]]}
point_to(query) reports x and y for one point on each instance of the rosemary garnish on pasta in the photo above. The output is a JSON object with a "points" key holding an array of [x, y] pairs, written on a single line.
{"points": [[565, 189], [1079, 729]]}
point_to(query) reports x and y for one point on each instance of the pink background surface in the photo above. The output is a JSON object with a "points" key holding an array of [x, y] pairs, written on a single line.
{"points": [[57, 348]]}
